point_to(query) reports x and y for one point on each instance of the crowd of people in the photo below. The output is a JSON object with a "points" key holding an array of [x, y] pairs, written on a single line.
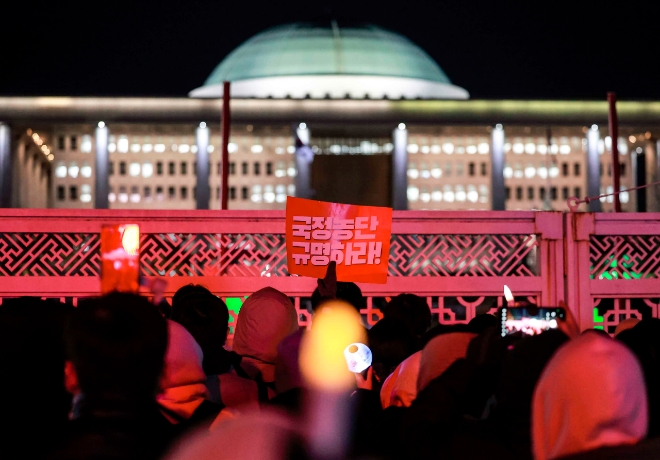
{"points": [[119, 377]]}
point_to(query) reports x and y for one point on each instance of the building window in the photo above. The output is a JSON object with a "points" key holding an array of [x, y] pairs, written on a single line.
{"points": [[219, 168], [576, 169], [530, 193], [60, 142], [86, 144], [135, 194], [609, 170], [217, 193], [122, 168], [244, 193], [507, 193], [73, 192], [459, 169], [622, 169], [564, 193], [171, 193], [61, 195], [600, 169], [577, 193], [74, 143], [147, 192], [553, 193], [184, 168], [111, 168], [519, 193], [471, 169], [159, 193], [232, 193], [564, 169], [171, 168], [184, 193], [448, 169], [159, 168], [269, 169], [542, 193], [484, 169], [232, 168], [244, 168], [257, 168]]}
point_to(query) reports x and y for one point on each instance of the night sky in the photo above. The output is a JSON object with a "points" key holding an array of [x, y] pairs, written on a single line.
{"points": [[494, 49]]}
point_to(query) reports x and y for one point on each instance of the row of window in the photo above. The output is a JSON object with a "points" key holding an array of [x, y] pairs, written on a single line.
{"points": [[147, 169], [85, 143], [531, 193], [256, 193], [449, 194], [436, 171], [85, 193]]}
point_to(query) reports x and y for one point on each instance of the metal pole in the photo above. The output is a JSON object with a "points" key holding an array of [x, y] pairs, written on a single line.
{"points": [[202, 141], [614, 135], [498, 202], [225, 146]]}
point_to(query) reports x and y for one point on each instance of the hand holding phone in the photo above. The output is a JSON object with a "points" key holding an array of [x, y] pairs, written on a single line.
{"points": [[530, 319]]}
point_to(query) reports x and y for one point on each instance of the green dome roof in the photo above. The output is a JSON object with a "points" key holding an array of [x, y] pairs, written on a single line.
{"points": [[326, 61], [300, 49]]}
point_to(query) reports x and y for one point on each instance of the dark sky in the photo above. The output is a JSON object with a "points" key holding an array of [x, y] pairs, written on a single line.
{"points": [[494, 49]]}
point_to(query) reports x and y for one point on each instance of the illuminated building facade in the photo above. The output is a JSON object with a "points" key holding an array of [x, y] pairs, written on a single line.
{"points": [[385, 124]]}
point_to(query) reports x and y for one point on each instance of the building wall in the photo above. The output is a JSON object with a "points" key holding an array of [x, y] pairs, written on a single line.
{"points": [[154, 167], [449, 167]]}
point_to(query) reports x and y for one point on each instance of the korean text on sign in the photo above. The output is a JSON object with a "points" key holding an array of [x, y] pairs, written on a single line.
{"points": [[357, 238]]}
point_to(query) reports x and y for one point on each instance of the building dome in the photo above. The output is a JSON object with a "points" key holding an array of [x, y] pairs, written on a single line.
{"points": [[316, 61]]}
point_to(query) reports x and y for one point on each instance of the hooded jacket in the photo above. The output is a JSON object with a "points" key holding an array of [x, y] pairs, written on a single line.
{"points": [[183, 386], [400, 388], [266, 317], [440, 353], [591, 395]]}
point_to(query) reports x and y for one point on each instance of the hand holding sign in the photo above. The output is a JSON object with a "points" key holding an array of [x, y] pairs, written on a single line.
{"points": [[356, 238]]}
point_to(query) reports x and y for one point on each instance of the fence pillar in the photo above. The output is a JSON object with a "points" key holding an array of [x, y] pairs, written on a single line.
{"points": [[400, 168], [101, 181], [498, 197], [593, 168], [5, 166], [202, 187]]}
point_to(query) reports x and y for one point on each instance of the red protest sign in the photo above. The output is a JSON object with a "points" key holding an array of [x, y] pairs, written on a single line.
{"points": [[357, 238]]}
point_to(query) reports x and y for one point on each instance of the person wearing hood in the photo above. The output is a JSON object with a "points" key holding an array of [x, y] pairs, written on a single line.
{"points": [[591, 397], [183, 398], [266, 318]]}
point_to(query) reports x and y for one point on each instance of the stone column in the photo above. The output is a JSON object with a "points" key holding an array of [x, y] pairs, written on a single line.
{"points": [[593, 168], [304, 159], [400, 168], [5, 166], [202, 135], [639, 177], [101, 181], [498, 197]]}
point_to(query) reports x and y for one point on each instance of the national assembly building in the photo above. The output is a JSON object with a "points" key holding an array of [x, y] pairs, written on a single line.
{"points": [[356, 115]]}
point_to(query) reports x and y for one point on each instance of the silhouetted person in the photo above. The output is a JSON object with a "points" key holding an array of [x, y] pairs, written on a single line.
{"points": [[35, 403], [410, 309], [117, 345]]}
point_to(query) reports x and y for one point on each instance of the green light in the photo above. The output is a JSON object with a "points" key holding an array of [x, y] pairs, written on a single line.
{"points": [[597, 317], [602, 328]]}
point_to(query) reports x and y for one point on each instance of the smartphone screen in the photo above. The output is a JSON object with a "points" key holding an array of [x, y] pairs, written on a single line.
{"points": [[530, 320], [120, 258]]}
